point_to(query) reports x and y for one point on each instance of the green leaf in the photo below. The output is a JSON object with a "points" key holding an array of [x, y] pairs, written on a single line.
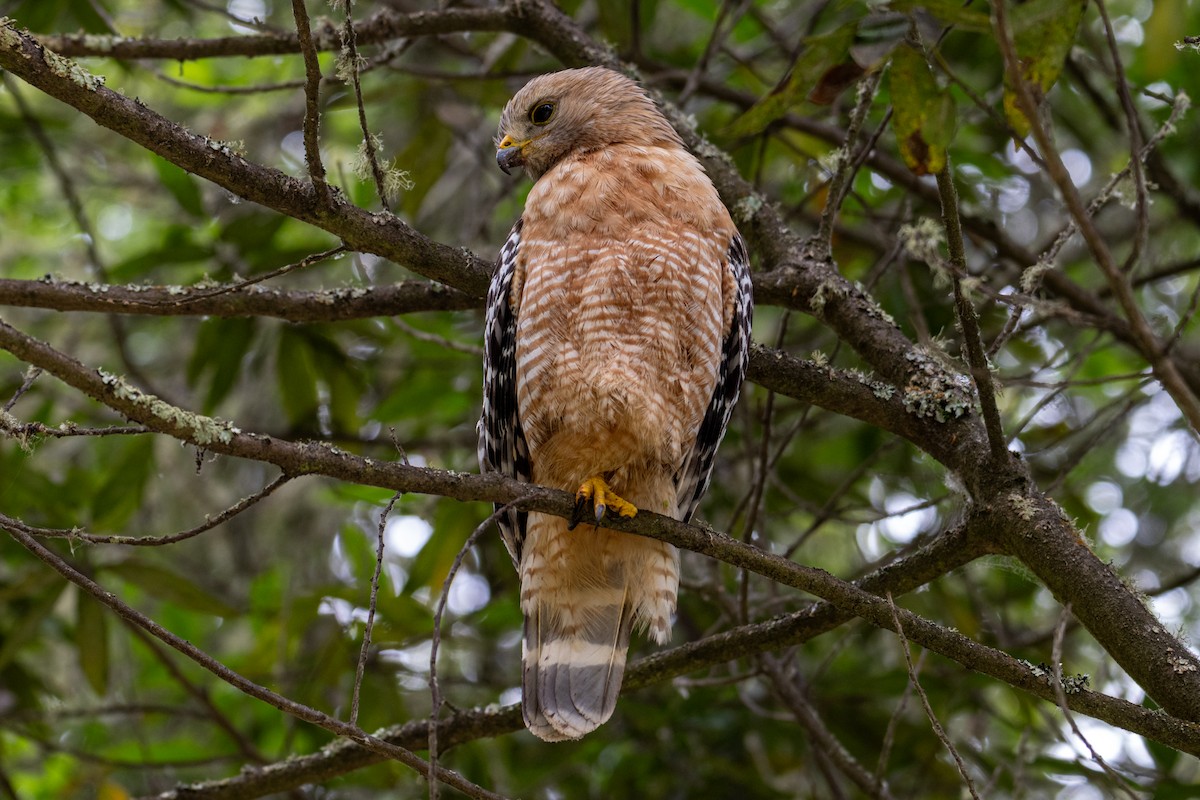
{"points": [[29, 620], [177, 247], [922, 113], [343, 379], [253, 231], [1043, 32], [452, 524], [1175, 791], [824, 57], [91, 642], [120, 494], [949, 12], [171, 587], [296, 372], [359, 551], [221, 347], [181, 185], [48, 15], [37, 15]]}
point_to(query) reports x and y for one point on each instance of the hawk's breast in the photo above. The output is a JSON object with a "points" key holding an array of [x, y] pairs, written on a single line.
{"points": [[619, 331]]}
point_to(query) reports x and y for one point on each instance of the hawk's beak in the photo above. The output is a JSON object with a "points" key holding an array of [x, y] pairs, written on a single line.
{"points": [[509, 154]]}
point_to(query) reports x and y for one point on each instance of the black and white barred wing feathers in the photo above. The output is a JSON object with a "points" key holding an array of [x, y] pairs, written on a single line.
{"points": [[691, 481], [502, 446]]}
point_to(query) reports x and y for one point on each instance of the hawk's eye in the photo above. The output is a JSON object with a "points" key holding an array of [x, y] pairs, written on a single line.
{"points": [[541, 113]]}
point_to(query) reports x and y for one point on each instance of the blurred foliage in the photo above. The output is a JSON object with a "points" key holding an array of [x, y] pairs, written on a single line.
{"points": [[89, 710]]}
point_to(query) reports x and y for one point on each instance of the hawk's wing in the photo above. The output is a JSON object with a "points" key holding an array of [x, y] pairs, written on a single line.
{"points": [[691, 481], [502, 445]]}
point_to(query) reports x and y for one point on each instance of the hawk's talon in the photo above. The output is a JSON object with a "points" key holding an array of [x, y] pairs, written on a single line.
{"points": [[577, 514], [603, 499]]}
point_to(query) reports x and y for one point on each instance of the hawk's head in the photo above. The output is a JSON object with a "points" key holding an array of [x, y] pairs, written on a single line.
{"points": [[576, 111]]}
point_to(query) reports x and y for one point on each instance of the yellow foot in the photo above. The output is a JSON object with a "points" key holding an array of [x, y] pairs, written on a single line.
{"points": [[603, 498]]}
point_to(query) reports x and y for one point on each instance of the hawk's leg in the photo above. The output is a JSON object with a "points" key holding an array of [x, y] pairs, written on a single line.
{"points": [[603, 499]]}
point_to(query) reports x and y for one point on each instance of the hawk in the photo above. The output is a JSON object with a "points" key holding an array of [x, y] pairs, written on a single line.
{"points": [[617, 336]]}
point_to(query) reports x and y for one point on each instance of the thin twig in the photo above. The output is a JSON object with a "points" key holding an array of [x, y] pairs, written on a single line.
{"points": [[312, 104], [210, 709], [1061, 698], [7, 790], [1142, 336], [933, 720], [261, 88], [238, 286], [719, 33], [847, 164], [25, 431], [1141, 200], [1186, 317], [1032, 279], [1110, 428], [361, 667], [1076, 361], [210, 522], [827, 511], [243, 684], [889, 735], [31, 374], [761, 467], [1107, 192], [977, 361], [349, 64], [435, 691], [433, 338], [819, 732]]}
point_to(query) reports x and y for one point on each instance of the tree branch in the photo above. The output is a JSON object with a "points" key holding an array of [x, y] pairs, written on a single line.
{"points": [[1032, 531], [298, 710], [312, 104], [1029, 524], [384, 25], [1143, 336], [292, 305], [968, 321], [381, 233], [1008, 509], [944, 554]]}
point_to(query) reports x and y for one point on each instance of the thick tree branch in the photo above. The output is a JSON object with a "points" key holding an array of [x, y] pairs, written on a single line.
{"points": [[341, 757], [381, 233], [1027, 523], [942, 555], [329, 305], [553, 29], [1015, 515]]}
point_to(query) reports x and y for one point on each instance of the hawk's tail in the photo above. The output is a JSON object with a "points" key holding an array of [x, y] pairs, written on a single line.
{"points": [[573, 660]]}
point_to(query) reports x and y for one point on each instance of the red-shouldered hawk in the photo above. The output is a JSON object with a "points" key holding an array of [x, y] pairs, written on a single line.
{"points": [[617, 335]]}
